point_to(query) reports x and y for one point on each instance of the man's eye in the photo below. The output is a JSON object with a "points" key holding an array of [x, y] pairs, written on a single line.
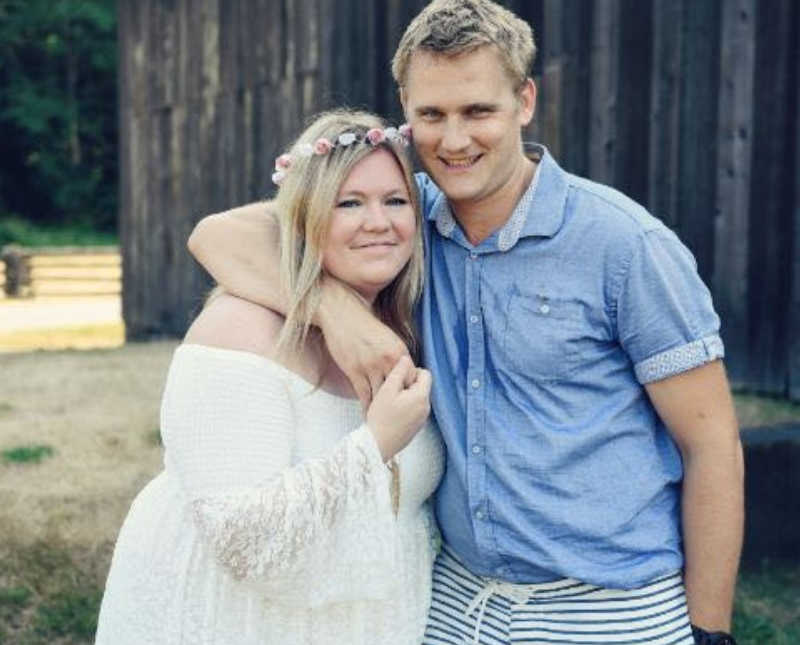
{"points": [[348, 203]]}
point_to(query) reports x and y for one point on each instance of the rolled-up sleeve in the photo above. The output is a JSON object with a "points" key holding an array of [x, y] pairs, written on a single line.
{"points": [[665, 317]]}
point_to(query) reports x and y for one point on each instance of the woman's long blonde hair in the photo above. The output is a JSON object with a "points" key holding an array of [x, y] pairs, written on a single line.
{"points": [[304, 205]]}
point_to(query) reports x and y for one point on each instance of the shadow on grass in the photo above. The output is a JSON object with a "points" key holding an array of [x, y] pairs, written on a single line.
{"points": [[48, 594]]}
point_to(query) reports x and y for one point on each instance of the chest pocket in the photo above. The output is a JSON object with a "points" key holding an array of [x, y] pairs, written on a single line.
{"points": [[540, 340]]}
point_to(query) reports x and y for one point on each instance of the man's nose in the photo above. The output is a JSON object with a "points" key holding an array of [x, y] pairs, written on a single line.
{"points": [[455, 136]]}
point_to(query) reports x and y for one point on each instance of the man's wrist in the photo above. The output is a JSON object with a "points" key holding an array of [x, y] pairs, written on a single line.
{"points": [[703, 637], [335, 298]]}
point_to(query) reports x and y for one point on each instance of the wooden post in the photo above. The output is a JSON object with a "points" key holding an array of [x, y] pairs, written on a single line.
{"points": [[18, 276]]}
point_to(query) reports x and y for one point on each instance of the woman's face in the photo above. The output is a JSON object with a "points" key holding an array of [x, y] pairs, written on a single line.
{"points": [[371, 231]]}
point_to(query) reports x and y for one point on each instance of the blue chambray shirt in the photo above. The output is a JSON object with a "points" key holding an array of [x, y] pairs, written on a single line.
{"points": [[540, 339]]}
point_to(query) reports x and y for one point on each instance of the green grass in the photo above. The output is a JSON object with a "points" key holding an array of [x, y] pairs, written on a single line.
{"points": [[767, 610], [30, 454], [52, 595], [154, 437], [756, 410], [72, 612], [15, 230]]}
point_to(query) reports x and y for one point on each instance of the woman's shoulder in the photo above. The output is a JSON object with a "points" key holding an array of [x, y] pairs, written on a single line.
{"points": [[230, 322]]}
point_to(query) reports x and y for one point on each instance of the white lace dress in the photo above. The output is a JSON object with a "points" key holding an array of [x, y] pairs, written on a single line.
{"points": [[272, 521]]}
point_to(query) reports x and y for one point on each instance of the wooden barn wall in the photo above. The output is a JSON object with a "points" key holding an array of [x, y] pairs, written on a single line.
{"points": [[689, 106]]}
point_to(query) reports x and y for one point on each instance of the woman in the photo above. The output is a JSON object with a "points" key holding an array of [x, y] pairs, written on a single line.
{"points": [[283, 515]]}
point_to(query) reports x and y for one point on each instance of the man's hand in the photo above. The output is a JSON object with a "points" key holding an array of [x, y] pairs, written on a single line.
{"points": [[364, 348], [240, 249]]}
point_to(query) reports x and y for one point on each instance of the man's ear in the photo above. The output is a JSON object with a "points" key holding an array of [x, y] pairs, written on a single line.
{"points": [[527, 102]]}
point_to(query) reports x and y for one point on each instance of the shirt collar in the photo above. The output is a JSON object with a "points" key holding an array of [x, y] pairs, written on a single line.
{"points": [[539, 212]]}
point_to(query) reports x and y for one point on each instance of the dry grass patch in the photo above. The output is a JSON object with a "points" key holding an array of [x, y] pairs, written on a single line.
{"points": [[97, 410]]}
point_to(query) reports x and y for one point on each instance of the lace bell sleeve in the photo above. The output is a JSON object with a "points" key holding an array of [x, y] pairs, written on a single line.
{"points": [[229, 428]]}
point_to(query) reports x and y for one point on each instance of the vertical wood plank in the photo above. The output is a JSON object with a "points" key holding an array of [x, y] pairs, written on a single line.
{"points": [[665, 102], [794, 311], [603, 95], [633, 99], [698, 130], [734, 176], [769, 286]]}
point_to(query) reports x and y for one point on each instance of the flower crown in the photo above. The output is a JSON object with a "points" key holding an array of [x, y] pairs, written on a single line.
{"points": [[323, 146]]}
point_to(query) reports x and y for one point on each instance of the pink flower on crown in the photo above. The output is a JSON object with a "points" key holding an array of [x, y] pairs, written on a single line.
{"points": [[376, 136], [322, 146], [283, 162], [405, 130]]}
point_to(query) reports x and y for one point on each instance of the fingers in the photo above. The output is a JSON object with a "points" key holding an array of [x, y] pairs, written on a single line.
{"points": [[375, 380], [422, 382], [363, 391], [397, 377]]}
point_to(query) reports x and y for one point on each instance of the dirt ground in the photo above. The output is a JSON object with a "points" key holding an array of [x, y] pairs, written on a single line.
{"points": [[98, 410]]}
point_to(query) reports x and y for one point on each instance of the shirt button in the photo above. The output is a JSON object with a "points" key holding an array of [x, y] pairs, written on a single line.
{"points": [[545, 309], [480, 515], [473, 319], [476, 383], [473, 255], [476, 449]]}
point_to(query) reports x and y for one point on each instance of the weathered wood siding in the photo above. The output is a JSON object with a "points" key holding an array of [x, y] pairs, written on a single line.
{"points": [[663, 99]]}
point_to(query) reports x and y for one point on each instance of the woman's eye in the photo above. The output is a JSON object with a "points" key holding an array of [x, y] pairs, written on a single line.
{"points": [[348, 203], [396, 201]]}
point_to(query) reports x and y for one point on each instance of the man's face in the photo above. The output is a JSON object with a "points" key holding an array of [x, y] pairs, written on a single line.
{"points": [[466, 120]]}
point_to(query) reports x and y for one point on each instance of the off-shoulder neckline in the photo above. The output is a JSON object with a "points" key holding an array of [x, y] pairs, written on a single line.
{"points": [[258, 359]]}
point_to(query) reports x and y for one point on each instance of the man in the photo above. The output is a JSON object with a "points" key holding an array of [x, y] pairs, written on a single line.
{"points": [[593, 451]]}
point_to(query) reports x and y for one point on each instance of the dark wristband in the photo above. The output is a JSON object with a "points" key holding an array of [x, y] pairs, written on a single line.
{"points": [[702, 637]]}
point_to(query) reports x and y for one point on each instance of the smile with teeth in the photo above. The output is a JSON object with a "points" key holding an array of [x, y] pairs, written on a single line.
{"points": [[461, 162]]}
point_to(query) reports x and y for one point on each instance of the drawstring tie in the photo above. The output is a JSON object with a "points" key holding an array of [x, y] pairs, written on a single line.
{"points": [[518, 593]]}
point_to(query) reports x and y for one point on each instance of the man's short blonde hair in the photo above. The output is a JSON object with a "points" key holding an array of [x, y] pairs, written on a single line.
{"points": [[452, 27]]}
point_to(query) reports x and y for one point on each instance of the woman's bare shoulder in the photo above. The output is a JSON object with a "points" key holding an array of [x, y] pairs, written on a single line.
{"points": [[230, 322]]}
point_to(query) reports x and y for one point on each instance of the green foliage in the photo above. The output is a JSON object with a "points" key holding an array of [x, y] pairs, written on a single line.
{"points": [[52, 592], [58, 111], [760, 410], [31, 454], [72, 612], [767, 611], [14, 230]]}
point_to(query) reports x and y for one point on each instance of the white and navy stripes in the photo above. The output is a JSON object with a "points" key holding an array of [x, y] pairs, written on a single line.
{"points": [[564, 611]]}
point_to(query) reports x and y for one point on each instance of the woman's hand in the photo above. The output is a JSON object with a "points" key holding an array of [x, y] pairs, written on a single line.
{"points": [[400, 407]]}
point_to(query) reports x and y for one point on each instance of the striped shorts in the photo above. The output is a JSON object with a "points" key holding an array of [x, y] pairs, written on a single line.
{"points": [[467, 609]]}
